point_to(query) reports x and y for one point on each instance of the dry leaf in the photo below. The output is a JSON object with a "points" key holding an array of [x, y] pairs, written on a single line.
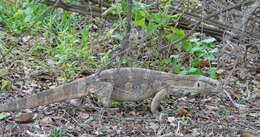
{"points": [[92, 123], [171, 119], [83, 115], [24, 117], [4, 83], [61, 78], [203, 63], [46, 121], [257, 77], [154, 126], [182, 112]]}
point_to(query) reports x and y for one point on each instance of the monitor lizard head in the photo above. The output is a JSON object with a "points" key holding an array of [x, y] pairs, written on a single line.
{"points": [[193, 85], [206, 86]]}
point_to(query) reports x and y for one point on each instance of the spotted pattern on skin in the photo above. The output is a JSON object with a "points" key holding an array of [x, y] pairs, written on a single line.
{"points": [[124, 84]]}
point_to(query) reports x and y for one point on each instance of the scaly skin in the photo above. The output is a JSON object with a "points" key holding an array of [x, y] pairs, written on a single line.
{"points": [[125, 84]]}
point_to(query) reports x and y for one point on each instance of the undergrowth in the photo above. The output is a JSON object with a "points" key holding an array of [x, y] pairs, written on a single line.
{"points": [[65, 40]]}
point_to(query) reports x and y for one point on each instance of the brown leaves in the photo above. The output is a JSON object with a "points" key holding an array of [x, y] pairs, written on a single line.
{"points": [[182, 112], [24, 117], [47, 121]]}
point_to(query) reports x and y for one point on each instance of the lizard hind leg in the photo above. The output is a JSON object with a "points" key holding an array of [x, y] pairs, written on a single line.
{"points": [[156, 101]]}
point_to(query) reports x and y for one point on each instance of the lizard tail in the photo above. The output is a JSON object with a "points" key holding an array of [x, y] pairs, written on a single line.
{"points": [[71, 90]]}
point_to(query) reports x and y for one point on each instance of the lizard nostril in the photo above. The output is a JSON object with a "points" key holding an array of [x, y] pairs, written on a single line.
{"points": [[198, 84]]}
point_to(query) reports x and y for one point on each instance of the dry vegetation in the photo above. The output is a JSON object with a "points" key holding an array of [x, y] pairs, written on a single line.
{"points": [[72, 39]]}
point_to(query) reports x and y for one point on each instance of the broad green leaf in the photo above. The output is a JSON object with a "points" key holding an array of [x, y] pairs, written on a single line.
{"points": [[110, 10], [209, 57], [198, 51], [178, 32], [157, 61], [117, 59], [194, 40], [186, 45], [136, 64], [190, 70], [35, 116], [209, 40], [170, 37], [139, 16], [36, 126], [113, 102], [2, 116], [155, 51], [118, 36], [185, 71], [151, 28], [5, 84], [138, 6], [215, 50], [194, 71], [18, 13], [123, 6], [174, 56], [125, 61], [166, 61], [195, 49], [176, 16], [212, 72], [177, 67], [195, 62], [140, 22], [207, 46]]}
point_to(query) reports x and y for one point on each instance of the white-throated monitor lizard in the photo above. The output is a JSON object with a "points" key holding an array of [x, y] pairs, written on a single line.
{"points": [[124, 84]]}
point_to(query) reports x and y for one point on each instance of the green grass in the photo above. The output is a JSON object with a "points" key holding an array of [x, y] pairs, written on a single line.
{"points": [[63, 39], [55, 39]]}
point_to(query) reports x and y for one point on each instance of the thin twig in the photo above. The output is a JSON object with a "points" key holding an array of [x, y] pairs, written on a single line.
{"points": [[125, 42], [232, 101]]}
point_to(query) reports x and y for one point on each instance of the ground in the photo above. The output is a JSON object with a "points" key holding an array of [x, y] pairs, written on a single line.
{"points": [[54, 53]]}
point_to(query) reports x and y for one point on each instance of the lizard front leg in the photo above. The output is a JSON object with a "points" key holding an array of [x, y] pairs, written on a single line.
{"points": [[156, 100], [161, 94], [104, 93], [102, 89]]}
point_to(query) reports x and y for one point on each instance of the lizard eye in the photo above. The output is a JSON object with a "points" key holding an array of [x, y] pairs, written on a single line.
{"points": [[197, 84]]}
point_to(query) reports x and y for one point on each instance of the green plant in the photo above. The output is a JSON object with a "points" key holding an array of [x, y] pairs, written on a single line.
{"points": [[117, 121], [153, 22], [57, 132], [200, 50], [23, 15], [176, 63], [221, 111], [249, 94], [124, 60], [238, 99], [5, 85], [36, 123], [69, 52], [65, 47], [197, 50], [185, 120], [3, 116], [87, 121], [150, 22], [113, 102], [105, 58]]}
